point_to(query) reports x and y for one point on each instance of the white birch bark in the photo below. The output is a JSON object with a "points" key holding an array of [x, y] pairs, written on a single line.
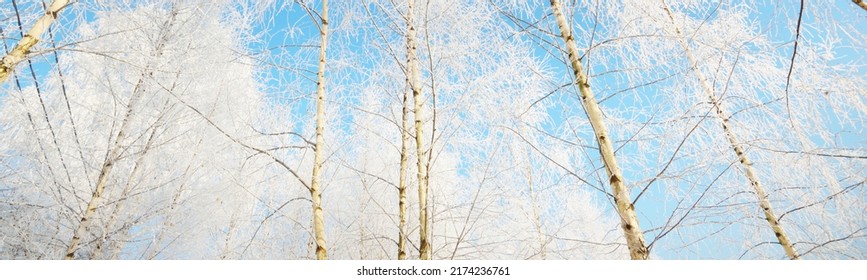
{"points": [[117, 148], [625, 209], [105, 171], [761, 194], [315, 191], [7, 65], [401, 189], [97, 250], [415, 85]]}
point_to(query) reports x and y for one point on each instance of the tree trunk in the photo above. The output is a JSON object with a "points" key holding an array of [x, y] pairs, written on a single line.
{"points": [[104, 173], [628, 220], [315, 192], [414, 85], [761, 195], [97, 250], [7, 65], [115, 152], [861, 4], [401, 188]]}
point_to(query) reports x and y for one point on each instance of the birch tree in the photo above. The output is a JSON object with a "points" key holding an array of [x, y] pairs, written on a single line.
{"points": [[115, 152], [475, 199], [154, 133], [733, 61], [625, 209], [402, 180], [414, 84], [315, 192], [761, 194], [23, 48]]}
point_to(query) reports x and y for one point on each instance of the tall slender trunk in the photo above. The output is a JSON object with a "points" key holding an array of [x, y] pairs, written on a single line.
{"points": [[97, 250], [761, 195], [104, 173], [429, 200], [415, 85], [115, 152], [315, 192], [401, 188], [7, 65], [628, 220]]}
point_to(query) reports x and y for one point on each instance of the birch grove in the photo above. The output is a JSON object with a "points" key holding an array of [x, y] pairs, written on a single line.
{"points": [[761, 194], [164, 129]]}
